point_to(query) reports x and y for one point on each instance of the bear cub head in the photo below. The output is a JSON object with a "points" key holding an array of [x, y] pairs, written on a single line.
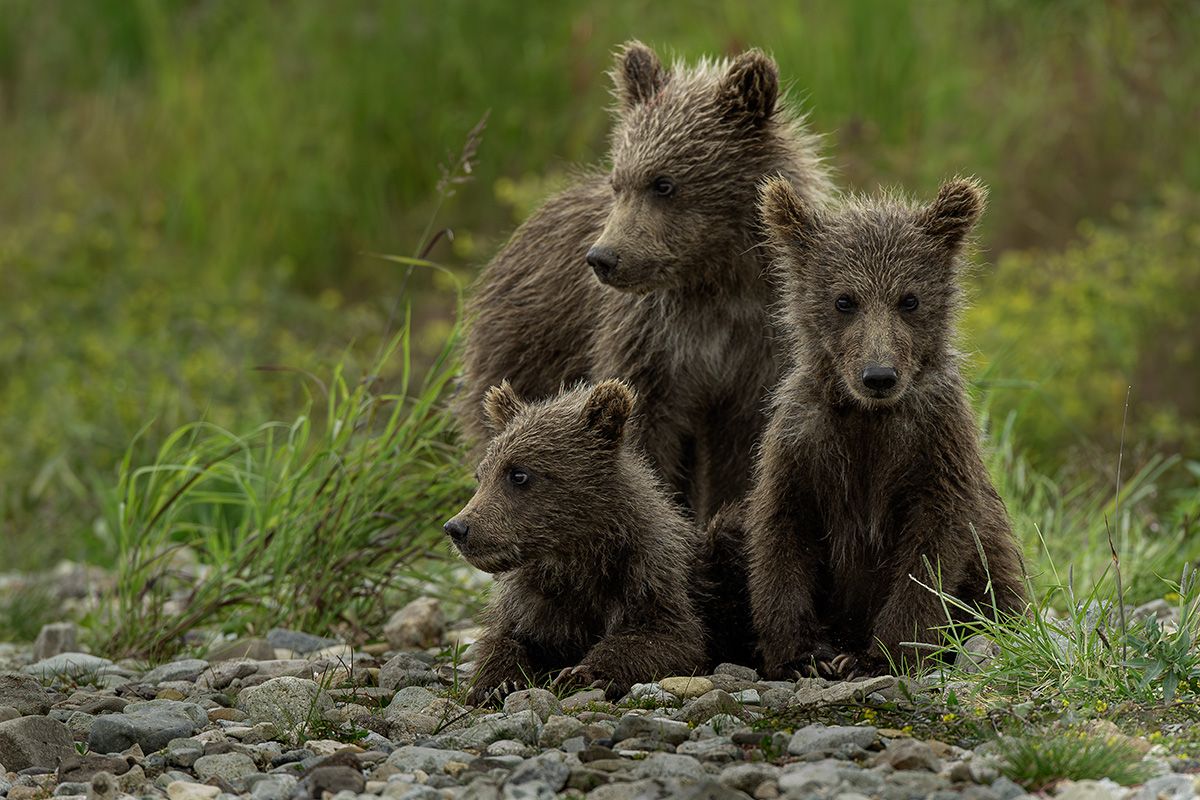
{"points": [[873, 287], [687, 151], [551, 470]]}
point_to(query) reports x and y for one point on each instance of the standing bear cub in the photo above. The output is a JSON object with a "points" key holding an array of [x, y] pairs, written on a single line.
{"points": [[590, 555], [650, 271], [870, 473]]}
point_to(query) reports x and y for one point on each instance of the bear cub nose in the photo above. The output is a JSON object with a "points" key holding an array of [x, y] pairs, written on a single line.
{"points": [[879, 378], [603, 260], [457, 530]]}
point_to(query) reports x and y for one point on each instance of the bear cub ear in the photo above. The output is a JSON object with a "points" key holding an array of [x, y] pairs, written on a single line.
{"points": [[751, 87], [500, 406], [949, 218], [607, 409], [788, 220], [638, 75]]}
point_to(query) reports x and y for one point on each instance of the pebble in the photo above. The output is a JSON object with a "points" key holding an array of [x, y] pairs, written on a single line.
{"points": [[418, 624], [686, 688], [818, 738], [23, 693], [289, 704], [34, 741]]}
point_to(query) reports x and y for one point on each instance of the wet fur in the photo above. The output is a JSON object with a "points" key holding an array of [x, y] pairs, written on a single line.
{"points": [[685, 320], [854, 492]]}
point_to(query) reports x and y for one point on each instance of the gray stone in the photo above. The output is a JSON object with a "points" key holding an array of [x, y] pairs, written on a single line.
{"points": [[977, 653], [523, 726], [509, 747], [184, 752], [221, 676], [816, 692], [410, 698], [77, 768], [669, 765], [8, 712], [736, 671], [914, 784], [404, 670], [540, 701], [298, 642], [69, 665], [290, 704], [549, 768], [748, 777], [408, 725], [23, 693], [746, 697], [1167, 787], [1006, 789], [227, 766], [776, 699], [334, 779], [252, 648], [34, 742], [558, 729], [818, 738], [274, 787], [583, 699], [719, 749], [528, 790], [55, 638], [186, 670], [647, 789], [640, 726], [418, 624], [708, 705], [709, 789], [152, 730], [427, 759], [909, 754], [192, 711]]}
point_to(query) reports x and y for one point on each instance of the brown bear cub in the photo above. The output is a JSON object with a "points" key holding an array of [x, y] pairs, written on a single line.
{"points": [[650, 271], [870, 467], [591, 556]]}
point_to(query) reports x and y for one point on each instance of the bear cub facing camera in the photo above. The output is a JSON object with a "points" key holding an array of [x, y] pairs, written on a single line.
{"points": [[870, 474], [591, 557]]}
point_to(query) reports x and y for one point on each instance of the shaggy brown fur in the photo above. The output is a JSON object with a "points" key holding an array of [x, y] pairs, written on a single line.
{"points": [[676, 303], [591, 555], [871, 462]]}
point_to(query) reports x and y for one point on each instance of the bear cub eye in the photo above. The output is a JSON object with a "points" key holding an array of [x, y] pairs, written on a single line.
{"points": [[845, 304], [518, 477], [663, 186], [909, 302]]}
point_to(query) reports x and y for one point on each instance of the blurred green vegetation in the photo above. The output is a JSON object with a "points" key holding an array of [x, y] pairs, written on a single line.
{"points": [[190, 185]]}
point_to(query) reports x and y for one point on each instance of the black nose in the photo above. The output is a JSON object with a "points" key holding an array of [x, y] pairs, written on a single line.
{"points": [[457, 530], [603, 260], [878, 378]]}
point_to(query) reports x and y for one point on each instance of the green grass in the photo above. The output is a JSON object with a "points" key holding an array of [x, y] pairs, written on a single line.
{"points": [[311, 523], [190, 189], [1038, 762]]}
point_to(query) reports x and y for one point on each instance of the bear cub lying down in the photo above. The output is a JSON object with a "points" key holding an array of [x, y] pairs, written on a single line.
{"points": [[591, 557]]}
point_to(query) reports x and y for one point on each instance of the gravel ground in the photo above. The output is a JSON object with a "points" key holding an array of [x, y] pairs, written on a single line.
{"points": [[293, 715]]}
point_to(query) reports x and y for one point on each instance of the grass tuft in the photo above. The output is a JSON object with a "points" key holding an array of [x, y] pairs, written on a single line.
{"points": [[312, 524], [1037, 762]]}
